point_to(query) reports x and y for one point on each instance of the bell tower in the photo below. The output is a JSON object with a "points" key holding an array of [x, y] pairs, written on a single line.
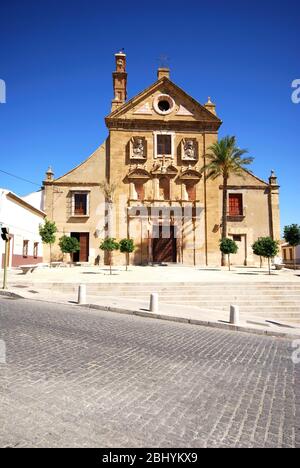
{"points": [[119, 81]]}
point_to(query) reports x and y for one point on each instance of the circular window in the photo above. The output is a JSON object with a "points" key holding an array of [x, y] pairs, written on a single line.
{"points": [[163, 104]]}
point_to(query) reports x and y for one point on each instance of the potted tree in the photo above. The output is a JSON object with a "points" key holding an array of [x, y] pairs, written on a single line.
{"points": [[258, 250], [127, 247], [109, 245], [269, 248], [228, 247], [69, 245], [47, 232]]}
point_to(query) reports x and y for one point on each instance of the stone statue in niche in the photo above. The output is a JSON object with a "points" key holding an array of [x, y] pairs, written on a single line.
{"points": [[138, 148], [189, 150]]}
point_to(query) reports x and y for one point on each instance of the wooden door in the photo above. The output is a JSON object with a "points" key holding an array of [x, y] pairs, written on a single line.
{"points": [[164, 249], [84, 247], [84, 240]]}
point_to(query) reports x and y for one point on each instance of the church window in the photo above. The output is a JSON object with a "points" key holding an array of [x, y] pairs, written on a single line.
{"points": [[164, 105], [80, 204], [164, 145], [235, 204]]}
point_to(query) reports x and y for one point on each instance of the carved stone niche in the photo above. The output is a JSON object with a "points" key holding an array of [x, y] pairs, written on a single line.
{"points": [[189, 149], [138, 148]]}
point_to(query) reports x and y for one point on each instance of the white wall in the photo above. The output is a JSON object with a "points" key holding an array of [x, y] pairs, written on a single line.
{"points": [[35, 199], [22, 223]]}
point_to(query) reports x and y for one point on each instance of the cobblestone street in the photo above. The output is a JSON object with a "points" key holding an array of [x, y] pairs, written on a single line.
{"points": [[74, 378]]}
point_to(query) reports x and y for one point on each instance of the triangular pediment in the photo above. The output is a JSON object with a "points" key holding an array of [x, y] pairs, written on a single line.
{"points": [[145, 107], [190, 174], [138, 173]]}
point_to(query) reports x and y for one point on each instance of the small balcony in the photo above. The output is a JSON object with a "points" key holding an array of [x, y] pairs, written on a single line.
{"points": [[236, 217]]}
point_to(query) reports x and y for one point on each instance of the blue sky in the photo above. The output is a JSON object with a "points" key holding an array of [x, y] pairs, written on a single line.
{"points": [[56, 58]]}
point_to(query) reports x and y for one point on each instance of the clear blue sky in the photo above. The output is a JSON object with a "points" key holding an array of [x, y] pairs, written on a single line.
{"points": [[56, 58]]}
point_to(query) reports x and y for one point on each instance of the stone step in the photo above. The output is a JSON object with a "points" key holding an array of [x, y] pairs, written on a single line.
{"points": [[197, 291], [200, 294], [209, 286], [234, 301]]}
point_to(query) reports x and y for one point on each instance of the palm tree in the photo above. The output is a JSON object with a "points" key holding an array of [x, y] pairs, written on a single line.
{"points": [[108, 191], [225, 159]]}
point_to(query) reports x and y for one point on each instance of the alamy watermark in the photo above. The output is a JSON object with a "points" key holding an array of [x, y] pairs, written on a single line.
{"points": [[296, 92], [296, 353], [2, 352], [2, 92]]}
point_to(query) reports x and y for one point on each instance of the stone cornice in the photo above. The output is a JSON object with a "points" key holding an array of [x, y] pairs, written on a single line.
{"points": [[152, 125], [73, 184], [245, 187]]}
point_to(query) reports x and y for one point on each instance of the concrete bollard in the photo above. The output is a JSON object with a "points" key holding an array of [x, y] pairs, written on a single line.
{"points": [[82, 294], [154, 302], [234, 314]]}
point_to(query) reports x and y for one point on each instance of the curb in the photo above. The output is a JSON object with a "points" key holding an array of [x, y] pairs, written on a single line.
{"points": [[171, 318], [10, 294]]}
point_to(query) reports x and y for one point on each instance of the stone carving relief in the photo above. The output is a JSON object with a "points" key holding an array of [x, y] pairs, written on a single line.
{"points": [[138, 148], [189, 149]]}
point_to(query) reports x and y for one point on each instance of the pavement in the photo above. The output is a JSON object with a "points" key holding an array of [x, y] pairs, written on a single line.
{"points": [[175, 313], [76, 377], [163, 274], [38, 286]]}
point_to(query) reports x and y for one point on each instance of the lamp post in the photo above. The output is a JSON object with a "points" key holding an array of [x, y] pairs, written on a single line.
{"points": [[5, 237]]}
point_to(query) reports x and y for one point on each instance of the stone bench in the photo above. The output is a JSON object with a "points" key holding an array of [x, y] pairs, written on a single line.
{"points": [[26, 268]]}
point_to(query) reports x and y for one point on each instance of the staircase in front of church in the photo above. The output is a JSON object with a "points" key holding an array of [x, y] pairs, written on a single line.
{"points": [[268, 301]]}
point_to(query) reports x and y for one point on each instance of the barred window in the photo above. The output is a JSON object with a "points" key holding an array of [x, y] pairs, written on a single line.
{"points": [[164, 145], [235, 204], [80, 204], [25, 248]]}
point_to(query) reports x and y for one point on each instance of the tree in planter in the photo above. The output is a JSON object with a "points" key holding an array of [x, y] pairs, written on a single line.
{"points": [[69, 245], [127, 247], [228, 247], [258, 250], [269, 248], [47, 232], [225, 159], [291, 235], [109, 245]]}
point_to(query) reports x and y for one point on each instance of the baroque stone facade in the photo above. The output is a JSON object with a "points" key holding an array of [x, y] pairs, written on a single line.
{"points": [[154, 189]]}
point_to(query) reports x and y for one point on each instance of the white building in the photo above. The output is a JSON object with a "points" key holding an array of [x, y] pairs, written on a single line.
{"points": [[22, 219]]}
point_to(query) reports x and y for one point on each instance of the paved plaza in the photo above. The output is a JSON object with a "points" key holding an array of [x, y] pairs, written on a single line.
{"points": [[137, 274], [75, 377]]}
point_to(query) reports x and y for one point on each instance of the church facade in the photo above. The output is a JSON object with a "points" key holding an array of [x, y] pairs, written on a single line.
{"points": [[145, 182]]}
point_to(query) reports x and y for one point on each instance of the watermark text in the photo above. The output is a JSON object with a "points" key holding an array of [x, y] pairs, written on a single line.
{"points": [[2, 92], [296, 92], [296, 353]]}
